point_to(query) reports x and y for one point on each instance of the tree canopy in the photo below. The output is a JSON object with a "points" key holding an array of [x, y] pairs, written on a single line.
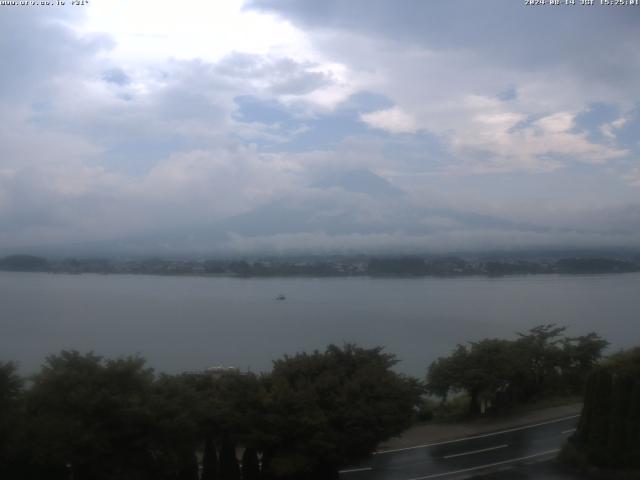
{"points": [[91, 418], [497, 373], [328, 408], [97, 419], [609, 429]]}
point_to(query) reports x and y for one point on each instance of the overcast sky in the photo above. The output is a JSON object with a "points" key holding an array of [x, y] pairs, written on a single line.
{"points": [[325, 125]]}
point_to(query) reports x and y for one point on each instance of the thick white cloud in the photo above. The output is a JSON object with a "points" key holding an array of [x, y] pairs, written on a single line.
{"points": [[147, 31], [393, 120], [544, 145]]}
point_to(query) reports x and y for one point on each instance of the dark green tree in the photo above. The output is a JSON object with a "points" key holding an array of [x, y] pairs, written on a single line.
{"points": [[209, 460], [229, 404], [329, 408], [541, 347], [90, 416], [579, 355], [600, 403], [229, 467], [10, 387], [444, 373], [609, 429], [175, 431], [250, 466], [621, 392], [24, 263], [266, 468], [485, 371], [13, 443], [405, 266], [632, 453], [189, 467], [498, 373]]}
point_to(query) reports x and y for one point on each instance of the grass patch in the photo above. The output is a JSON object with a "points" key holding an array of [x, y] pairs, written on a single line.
{"points": [[538, 404], [456, 408]]}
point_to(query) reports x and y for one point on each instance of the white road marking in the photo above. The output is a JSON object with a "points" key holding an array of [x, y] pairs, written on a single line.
{"points": [[476, 451], [489, 465], [571, 430], [549, 422], [353, 470]]}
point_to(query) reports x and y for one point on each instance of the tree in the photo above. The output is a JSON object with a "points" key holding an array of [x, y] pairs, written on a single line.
{"points": [[90, 416], [497, 373], [409, 266], [189, 467], [541, 348], [10, 386], [228, 405], [229, 467], [580, 356], [250, 466], [24, 263], [327, 409], [609, 429], [209, 460], [12, 441], [175, 431], [484, 370]]}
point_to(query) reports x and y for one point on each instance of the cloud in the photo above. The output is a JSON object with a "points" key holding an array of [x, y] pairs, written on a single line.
{"points": [[499, 31], [545, 144], [393, 120], [609, 129], [459, 241], [424, 125], [633, 177], [280, 76], [38, 48], [457, 72], [117, 76]]}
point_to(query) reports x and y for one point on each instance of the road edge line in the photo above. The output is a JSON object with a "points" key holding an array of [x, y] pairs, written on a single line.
{"points": [[472, 452], [489, 465], [353, 470], [484, 435]]}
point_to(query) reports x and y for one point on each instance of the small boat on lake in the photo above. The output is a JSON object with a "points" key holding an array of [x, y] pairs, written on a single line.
{"points": [[281, 297]]}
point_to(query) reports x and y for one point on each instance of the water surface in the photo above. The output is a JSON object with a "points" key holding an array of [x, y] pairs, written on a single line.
{"points": [[189, 323]]}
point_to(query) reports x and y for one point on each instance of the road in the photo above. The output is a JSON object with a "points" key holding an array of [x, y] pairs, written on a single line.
{"points": [[466, 457]]}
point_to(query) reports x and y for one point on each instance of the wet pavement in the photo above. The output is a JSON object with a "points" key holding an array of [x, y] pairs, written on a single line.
{"points": [[519, 447]]}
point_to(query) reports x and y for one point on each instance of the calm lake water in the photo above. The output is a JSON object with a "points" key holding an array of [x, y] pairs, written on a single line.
{"points": [[189, 323]]}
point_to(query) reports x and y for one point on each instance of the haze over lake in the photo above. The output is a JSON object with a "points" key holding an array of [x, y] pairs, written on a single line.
{"points": [[190, 323]]}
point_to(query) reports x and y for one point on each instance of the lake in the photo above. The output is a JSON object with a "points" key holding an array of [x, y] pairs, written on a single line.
{"points": [[190, 323]]}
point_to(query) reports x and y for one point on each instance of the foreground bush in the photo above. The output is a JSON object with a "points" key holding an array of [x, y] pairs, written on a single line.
{"points": [[88, 418], [608, 434]]}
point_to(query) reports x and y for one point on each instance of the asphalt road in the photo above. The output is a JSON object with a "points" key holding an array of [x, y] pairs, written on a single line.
{"points": [[466, 457]]}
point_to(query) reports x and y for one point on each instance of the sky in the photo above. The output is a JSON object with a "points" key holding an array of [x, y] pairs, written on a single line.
{"points": [[336, 126]]}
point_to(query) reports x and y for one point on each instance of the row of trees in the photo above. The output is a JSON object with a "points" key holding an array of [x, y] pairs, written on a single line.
{"points": [[498, 373], [85, 417], [608, 433], [411, 266]]}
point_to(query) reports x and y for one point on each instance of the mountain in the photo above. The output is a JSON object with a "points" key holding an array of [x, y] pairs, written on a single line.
{"points": [[355, 211]]}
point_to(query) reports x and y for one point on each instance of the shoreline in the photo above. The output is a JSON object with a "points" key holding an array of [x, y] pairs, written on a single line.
{"points": [[312, 276]]}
